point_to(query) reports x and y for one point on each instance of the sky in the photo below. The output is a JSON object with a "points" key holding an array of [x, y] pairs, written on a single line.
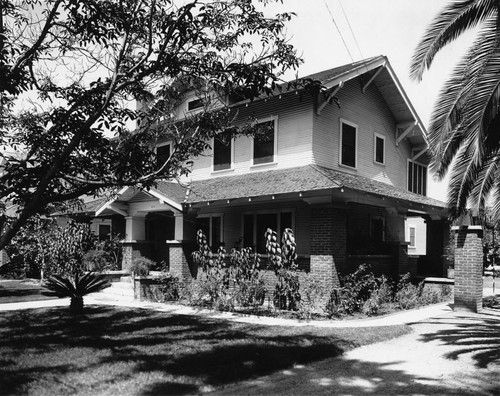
{"points": [[370, 28]]}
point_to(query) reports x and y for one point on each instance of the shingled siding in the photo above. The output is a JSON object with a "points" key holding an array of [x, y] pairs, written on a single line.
{"points": [[371, 114]]}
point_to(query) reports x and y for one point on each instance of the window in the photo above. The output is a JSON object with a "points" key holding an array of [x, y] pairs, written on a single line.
{"points": [[417, 178], [162, 154], [255, 226], [379, 149], [377, 229], [411, 233], [211, 225], [264, 142], [223, 151], [348, 137], [195, 104], [104, 231]]}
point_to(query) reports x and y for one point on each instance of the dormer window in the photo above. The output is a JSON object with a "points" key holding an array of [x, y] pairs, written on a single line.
{"points": [[265, 142], [379, 149], [162, 154], [223, 151], [195, 104]]}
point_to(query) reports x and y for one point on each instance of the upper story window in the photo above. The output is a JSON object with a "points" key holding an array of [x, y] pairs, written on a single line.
{"points": [[194, 104], [417, 178], [162, 154], [348, 143], [223, 151], [379, 149], [265, 142]]}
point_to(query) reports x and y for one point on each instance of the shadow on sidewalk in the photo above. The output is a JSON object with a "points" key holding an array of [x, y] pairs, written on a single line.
{"points": [[477, 335]]}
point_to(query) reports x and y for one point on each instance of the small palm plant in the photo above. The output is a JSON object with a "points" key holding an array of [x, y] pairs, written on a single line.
{"points": [[75, 287]]}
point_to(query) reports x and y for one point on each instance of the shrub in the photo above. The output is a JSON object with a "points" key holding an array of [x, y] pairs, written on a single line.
{"points": [[407, 295], [286, 293], [249, 287], [169, 286], [380, 298], [312, 296], [140, 266], [95, 260]]}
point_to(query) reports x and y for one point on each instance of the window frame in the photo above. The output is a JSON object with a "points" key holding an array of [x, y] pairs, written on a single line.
{"points": [[424, 181], [231, 164], [197, 100], [275, 142], [210, 216], [169, 143], [382, 137], [255, 213], [341, 138], [414, 245]]}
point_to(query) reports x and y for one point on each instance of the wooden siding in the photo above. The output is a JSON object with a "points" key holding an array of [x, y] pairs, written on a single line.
{"points": [[372, 116], [294, 145]]}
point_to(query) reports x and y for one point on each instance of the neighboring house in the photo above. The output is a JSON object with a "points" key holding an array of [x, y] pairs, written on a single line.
{"points": [[344, 169], [416, 236]]}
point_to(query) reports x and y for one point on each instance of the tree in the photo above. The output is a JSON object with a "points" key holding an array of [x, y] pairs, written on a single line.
{"points": [[81, 63], [463, 132]]}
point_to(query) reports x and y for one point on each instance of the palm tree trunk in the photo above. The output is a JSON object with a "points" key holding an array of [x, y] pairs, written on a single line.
{"points": [[76, 305]]}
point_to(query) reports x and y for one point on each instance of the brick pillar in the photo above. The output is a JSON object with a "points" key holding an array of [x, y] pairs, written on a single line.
{"points": [[323, 224], [178, 262], [468, 268], [134, 249]]}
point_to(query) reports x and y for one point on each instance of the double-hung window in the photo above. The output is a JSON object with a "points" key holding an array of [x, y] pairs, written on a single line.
{"points": [[162, 154], [265, 142], [223, 151], [417, 178], [348, 143], [379, 149]]}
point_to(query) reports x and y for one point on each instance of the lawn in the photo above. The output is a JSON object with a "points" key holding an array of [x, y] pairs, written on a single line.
{"points": [[21, 290], [111, 350]]}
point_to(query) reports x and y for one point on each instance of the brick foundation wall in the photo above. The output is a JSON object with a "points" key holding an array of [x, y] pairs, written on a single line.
{"points": [[132, 250], [468, 291], [179, 265]]}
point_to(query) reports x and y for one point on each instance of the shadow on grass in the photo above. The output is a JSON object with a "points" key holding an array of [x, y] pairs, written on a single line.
{"points": [[108, 347], [474, 335], [20, 290]]}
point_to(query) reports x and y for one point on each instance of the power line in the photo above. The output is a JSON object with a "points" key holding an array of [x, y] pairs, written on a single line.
{"points": [[350, 28], [338, 30]]}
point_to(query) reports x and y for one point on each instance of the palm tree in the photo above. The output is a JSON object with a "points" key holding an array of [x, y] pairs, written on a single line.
{"points": [[75, 287], [464, 132]]}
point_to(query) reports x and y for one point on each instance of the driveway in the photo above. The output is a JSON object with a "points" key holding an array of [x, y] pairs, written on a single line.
{"points": [[453, 353]]}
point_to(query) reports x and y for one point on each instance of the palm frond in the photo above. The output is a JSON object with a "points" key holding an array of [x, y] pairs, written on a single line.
{"points": [[458, 111], [456, 18], [76, 286]]}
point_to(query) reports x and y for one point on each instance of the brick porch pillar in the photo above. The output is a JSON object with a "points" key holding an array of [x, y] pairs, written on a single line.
{"points": [[178, 261], [327, 238], [468, 268]]}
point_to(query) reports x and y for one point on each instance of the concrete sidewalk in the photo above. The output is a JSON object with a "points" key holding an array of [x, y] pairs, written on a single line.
{"points": [[453, 354]]}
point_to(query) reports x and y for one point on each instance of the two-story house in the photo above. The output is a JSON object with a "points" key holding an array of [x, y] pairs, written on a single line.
{"points": [[344, 169]]}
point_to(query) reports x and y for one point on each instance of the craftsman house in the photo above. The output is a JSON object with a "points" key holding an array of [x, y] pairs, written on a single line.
{"points": [[344, 169]]}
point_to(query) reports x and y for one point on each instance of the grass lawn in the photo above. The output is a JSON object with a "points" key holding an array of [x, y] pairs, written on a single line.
{"points": [[21, 290], [122, 351]]}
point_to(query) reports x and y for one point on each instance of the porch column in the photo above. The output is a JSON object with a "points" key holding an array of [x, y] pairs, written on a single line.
{"points": [[178, 264], [134, 244], [328, 240], [468, 268]]}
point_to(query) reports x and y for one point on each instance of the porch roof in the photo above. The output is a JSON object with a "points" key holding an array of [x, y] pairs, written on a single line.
{"points": [[297, 180]]}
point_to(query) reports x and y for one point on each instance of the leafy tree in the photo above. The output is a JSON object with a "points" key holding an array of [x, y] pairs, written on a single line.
{"points": [[463, 132], [74, 67]]}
